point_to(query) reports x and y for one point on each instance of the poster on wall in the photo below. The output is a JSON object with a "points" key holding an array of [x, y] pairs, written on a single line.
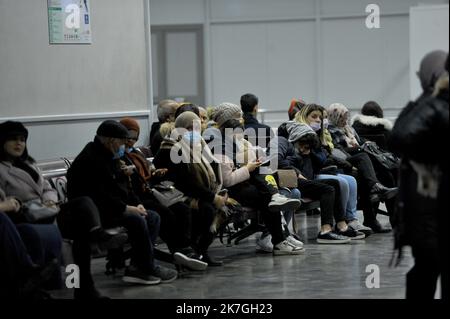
{"points": [[69, 21]]}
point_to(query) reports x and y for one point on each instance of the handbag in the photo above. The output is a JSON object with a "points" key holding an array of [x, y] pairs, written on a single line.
{"points": [[35, 212], [167, 194], [384, 158], [287, 178]]}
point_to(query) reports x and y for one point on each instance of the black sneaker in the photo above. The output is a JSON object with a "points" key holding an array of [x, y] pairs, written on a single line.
{"points": [[382, 192], [165, 274], [190, 260], [136, 276], [377, 228], [211, 261], [332, 238], [351, 233]]}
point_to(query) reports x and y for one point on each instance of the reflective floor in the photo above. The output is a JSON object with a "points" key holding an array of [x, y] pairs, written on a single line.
{"points": [[324, 271]]}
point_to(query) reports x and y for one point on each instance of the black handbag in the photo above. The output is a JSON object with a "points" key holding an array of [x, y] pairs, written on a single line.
{"points": [[384, 158], [167, 194]]}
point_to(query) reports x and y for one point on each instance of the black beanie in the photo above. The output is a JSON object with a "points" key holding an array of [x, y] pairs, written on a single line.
{"points": [[10, 129], [111, 128]]}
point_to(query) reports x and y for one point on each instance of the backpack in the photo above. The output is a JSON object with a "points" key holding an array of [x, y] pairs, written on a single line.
{"points": [[385, 158]]}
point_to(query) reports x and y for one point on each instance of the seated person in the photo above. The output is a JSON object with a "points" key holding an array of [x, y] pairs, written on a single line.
{"points": [[175, 219], [96, 173], [192, 168], [371, 124], [166, 113], [244, 182], [295, 154], [21, 179]]}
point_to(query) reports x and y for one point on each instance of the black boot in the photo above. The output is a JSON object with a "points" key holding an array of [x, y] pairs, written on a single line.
{"points": [[376, 227], [382, 192]]}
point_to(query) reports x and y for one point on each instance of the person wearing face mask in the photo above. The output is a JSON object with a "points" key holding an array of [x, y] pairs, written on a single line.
{"points": [[176, 220], [312, 115], [240, 174], [195, 172], [96, 172]]}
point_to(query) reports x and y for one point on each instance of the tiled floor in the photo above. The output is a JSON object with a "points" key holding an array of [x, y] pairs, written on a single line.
{"points": [[324, 271]]}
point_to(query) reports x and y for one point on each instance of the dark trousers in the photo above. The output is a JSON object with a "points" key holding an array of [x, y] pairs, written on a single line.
{"points": [[76, 220], [43, 244], [319, 190], [247, 194], [15, 261], [142, 233], [176, 223], [202, 219]]}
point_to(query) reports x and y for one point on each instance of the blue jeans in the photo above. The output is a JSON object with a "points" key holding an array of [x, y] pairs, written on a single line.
{"points": [[349, 193]]}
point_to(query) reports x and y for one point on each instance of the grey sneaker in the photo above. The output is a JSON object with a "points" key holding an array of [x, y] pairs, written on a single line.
{"points": [[280, 202], [134, 275], [356, 225], [285, 248], [291, 240], [165, 274], [264, 244]]}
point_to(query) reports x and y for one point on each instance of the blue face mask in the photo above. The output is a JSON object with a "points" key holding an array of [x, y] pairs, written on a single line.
{"points": [[193, 137], [315, 126], [130, 149], [120, 153]]}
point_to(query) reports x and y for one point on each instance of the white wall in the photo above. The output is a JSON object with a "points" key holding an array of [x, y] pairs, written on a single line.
{"points": [[429, 27], [319, 50], [62, 91]]}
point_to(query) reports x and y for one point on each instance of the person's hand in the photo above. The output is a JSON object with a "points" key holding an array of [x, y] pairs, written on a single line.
{"points": [[50, 204], [128, 170], [253, 166], [137, 210], [220, 201], [160, 172], [10, 205]]}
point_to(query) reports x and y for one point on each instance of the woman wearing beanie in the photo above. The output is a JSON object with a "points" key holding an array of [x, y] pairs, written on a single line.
{"points": [[22, 180], [176, 219], [312, 115], [244, 182], [195, 172]]}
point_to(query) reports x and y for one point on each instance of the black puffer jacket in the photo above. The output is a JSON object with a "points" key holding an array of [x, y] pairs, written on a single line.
{"points": [[417, 136]]}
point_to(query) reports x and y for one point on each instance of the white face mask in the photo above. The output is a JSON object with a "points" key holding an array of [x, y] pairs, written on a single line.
{"points": [[315, 126], [325, 123]]}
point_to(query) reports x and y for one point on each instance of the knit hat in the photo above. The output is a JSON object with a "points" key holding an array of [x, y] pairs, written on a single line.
{"points": [[11, 129], [130, 124], [431, 69], [114, 129], [225, 112], [186, 120], [297, 130]]}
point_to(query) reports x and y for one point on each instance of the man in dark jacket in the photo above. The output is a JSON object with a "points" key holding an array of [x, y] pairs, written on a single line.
{"points": [[97, 173], [422, 216], [258, 134]]}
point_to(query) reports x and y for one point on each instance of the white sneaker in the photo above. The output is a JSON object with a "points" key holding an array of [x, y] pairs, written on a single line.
{"points": [[285, 248], [264, 244], [280, 202], [291, 240], [356, 225]]}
